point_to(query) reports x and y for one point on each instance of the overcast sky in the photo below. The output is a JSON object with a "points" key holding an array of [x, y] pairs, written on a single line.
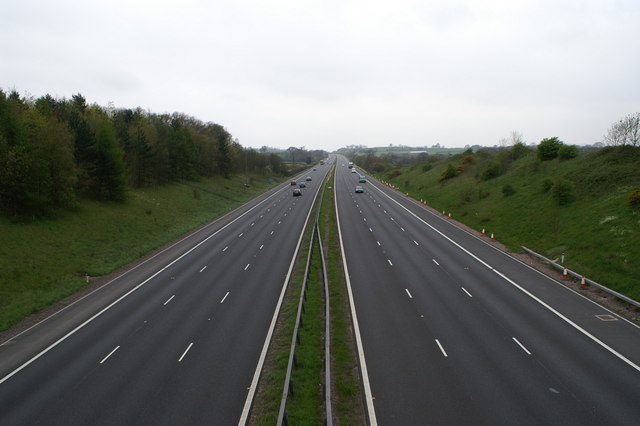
{"points": [[325, 74]]}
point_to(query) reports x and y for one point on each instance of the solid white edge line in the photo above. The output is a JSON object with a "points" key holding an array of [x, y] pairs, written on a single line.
{"points": [[244, 417], [225, 296], [525, 291], [521, 345], [185, 351], [168, 300], [103, 310], [354, 317], [110, 353], [442, 349]]}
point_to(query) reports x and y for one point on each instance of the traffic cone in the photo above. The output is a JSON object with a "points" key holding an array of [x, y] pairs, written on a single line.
{"points": [[583, 283], [449, 215], [565, 273], [492, 239], [483, 234]]}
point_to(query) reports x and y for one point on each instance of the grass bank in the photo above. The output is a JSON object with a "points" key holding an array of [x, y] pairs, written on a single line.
{"points": [[598, 232], [44, 261]]}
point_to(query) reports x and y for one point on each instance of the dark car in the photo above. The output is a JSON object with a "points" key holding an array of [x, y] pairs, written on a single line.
{"points": [[297, 192], [302, 185], [359, 189], [308, 178]]}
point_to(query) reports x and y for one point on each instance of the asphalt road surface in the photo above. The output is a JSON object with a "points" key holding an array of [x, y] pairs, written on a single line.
{"points": [[176, 340], [455, 332]]}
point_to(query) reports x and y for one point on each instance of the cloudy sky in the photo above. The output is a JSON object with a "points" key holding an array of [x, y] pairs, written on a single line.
{"points": [[329, 73]]}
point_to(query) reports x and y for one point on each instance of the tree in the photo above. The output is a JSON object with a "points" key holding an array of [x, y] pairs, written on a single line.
{"points": [[108, 178], [625, 132], [548, 148]]}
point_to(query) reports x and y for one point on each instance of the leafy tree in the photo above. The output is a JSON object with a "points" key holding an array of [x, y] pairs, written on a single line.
{"points": [[567, 152], [548, 148], [109, 179], [448, 173]]}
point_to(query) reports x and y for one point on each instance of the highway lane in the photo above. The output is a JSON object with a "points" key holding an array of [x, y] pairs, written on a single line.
{"points": [[448, 340], [180, 349]]}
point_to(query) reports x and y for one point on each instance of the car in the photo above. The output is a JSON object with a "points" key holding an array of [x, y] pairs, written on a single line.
{"points": [[362, 179], [353, 170], [314, 169], [308, 179], [297, 192], [293, 182], [359, 189], [302, 185]]}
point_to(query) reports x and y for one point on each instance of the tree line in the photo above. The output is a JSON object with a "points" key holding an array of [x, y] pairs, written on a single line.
{"points": [[56, 151]]}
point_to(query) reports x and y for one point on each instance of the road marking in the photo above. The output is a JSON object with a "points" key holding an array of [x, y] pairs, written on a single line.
{"points": [[271, 233], [203, 268], [110, 353], [378, 243], [247, 267], [253, 223], [393, 219], [389, 260], [370, 230], [241, 234], [169, 300], [185, 352], [410, 296], [365, 219], [521, 345], [225, 249], [416, 242], [285, 214], [465, 290], [441, 349], [225, 296], [436, 262], [279, 222], [261, 245]]}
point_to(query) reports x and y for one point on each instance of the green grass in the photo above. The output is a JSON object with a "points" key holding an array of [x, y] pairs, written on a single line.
{"points": [[599, 233], [44, 261]]}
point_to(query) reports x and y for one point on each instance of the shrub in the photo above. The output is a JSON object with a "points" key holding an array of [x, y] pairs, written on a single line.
{"points": [[567, 152], [493, 170], [634, 199], [548, 148], [394, 173], [547, 184], [564, 192], [508, 190], [427, 167], [448, 173]]}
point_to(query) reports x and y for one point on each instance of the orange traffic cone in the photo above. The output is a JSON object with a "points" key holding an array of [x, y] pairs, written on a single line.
{"points": [[483, 234], [565, 273], [583, 283]]}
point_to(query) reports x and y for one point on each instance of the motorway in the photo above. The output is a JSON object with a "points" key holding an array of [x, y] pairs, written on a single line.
{"points": [[454, 331], [178, 339]]}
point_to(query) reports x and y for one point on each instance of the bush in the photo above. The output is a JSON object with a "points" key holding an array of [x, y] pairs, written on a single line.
{"points": [[547, 184], [548, 148], [567, 152], [427, 167], [634, 199], [493, 170], [564, 192], [508, 190], [448, 173]]}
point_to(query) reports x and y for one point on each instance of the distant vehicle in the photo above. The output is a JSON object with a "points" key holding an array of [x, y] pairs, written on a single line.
{"points": [[297, 192], [321, 162], [350, 164], [353, 170], [293, 182], [308, 179], [342, 164], [362, 179], [359, 189], [302, 185], [314, 169]]}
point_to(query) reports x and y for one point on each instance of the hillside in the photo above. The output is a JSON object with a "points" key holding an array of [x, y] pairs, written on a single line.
{"points": [[598, 231], [43, 261]]}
